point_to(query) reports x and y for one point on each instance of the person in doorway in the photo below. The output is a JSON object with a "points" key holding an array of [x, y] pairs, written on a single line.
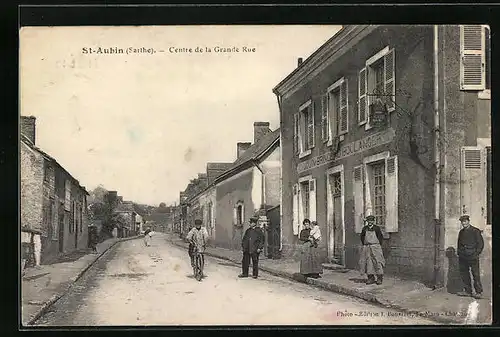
{"points": [[198, 239], [309, 237], [252, 245], [372, 260], [470, 246], [147, 237]]}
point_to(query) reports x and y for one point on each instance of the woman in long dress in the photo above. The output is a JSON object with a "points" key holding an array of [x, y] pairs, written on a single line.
{"points": [[309, 237]]}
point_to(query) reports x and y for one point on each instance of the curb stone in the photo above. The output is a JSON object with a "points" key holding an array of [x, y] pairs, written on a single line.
{"points": [[345, 291], [54, 298]]}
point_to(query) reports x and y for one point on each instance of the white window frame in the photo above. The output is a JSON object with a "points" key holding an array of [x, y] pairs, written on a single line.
{"points": [[375, 58], [334, 87], [303, 180], [302, 128], [367, 161], [469, 87]]}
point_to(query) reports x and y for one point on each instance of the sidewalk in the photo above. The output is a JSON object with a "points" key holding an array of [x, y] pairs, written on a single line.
{"points": [[409, 297], [43, 286]]}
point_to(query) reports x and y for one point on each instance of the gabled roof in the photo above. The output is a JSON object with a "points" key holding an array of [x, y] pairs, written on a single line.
{"points": [[28, 142], [253, 153]]}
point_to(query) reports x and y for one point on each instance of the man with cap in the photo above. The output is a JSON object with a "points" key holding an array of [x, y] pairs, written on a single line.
{"points": [[372, 260], [197, 238], [252, 244], [469, 247]]}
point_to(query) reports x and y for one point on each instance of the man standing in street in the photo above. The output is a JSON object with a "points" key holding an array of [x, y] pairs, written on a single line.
{"points": [[372, 260], [469, 247], [252, 244]]}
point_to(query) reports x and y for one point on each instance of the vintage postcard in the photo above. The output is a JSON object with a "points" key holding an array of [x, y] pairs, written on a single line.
{"points": [[255, 175]]}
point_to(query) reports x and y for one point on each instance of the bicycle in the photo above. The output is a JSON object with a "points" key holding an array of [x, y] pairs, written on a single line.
{"points": [[198, 265]]}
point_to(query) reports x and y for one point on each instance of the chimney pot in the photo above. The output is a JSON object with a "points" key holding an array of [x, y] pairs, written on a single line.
{"points": [[241, 147], [28, 127], [299, 61], [260, 129]]}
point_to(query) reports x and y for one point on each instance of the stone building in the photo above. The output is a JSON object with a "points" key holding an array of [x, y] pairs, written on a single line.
{"points": [[53, 203], [392, 121]]}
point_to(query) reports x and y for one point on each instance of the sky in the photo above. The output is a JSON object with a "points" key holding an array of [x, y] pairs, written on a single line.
{"points": [[145, 124]]}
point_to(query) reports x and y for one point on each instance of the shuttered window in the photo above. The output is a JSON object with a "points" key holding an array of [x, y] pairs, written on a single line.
{"points": [[312, 199], [472, 57], [391, 195], [362, 103], [67, 195], [390, 87], [306, 127], [310, 127], [343, 113], [324, 119], [296, 133], [473, 186], [295, 207], [358, 193]]}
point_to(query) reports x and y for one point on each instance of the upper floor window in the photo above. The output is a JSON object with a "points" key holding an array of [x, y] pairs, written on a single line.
{"points": [[334, 111], [475, 57], [239, 213], [304, 129], [376, 84], [48, 172]]}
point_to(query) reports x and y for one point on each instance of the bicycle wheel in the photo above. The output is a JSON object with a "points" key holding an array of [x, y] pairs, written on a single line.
{"points": [[199, 271]]}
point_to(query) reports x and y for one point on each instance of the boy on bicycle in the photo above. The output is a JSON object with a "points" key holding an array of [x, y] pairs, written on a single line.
{"points": [[197, 238]]}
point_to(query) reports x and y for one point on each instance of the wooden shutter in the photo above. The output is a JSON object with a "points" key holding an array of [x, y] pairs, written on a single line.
{"points": [[472, 57], [343, 115], [312, 200], [391, 194], [295, 207], [310, 126], [389, 79], [296, 134], [362, 103], [358, 198], [324, 118], [473, 185]]}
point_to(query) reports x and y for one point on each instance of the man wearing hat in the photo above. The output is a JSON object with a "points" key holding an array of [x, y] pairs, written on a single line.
{"points": [[469, 247], [252, 244], [197, 238], [372, 260]]}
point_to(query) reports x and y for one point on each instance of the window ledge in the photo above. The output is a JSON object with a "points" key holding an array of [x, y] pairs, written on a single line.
{"points": [[485, 94], [305, 154], [368, 126], [341, 138]]}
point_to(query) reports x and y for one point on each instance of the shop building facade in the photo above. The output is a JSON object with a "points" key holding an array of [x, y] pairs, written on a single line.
{"points": [[391, 121]]}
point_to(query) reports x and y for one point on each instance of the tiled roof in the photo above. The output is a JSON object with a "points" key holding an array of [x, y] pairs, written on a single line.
{"points": [[256, 149]]}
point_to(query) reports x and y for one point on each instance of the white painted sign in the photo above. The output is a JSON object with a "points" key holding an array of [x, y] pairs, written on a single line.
{"points": [[350, 149]]}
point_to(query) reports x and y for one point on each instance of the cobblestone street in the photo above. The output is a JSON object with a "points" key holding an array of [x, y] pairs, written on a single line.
{"points": [[137, 285]]}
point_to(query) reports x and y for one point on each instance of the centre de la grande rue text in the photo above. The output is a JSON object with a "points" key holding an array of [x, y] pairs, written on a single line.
{"points": [[175, 50]]}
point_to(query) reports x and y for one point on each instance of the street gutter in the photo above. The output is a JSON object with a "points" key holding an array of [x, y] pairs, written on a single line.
{"points": [[318, 283], [43, 310]]}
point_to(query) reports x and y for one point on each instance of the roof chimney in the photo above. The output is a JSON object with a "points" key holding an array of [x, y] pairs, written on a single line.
{"points": [[241, 147], [28, 124], [299, 61], [260, 129]]}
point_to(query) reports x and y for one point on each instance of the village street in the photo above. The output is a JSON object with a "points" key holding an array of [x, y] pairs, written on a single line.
{"points": [[137, 285]]}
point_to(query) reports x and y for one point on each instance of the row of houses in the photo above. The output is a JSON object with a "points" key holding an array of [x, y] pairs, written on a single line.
{"points": [[54, 217], [227, 194], [390, 121]]}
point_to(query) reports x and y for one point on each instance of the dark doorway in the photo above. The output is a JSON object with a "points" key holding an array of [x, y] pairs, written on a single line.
{"points": [[274, 233]]}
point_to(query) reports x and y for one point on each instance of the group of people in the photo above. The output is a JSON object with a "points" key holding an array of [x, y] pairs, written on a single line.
{"points": [[371, 261]]}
